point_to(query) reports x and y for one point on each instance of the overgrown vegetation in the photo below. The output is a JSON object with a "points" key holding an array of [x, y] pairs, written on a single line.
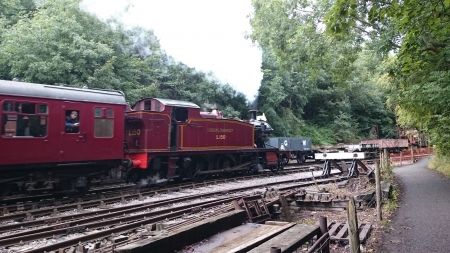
{"points": [[392, 202], [347, 65], [440, 163], [57, 42], [315, 84]]}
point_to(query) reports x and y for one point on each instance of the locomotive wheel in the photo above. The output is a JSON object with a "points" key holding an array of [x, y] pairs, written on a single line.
{"points": [[199, 164], [279, 165], [134, 176], [5, 189], [225, 162]]}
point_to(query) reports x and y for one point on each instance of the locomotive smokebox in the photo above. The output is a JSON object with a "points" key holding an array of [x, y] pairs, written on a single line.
{"points": [[253, 114]]}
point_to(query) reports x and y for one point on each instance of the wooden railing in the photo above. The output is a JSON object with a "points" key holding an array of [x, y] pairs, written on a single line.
{"points": [[410, 156]]}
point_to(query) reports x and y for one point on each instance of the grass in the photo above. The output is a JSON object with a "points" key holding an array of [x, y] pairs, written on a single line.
{"points": [[392, 202], [307, 221], [440, 163]]}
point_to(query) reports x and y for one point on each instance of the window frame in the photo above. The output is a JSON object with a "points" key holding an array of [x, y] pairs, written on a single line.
{"points": [[105, 117], [28, 115], [66, 114]]}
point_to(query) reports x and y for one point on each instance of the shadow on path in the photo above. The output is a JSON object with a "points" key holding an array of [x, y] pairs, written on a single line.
{"points": [[422, 222]]}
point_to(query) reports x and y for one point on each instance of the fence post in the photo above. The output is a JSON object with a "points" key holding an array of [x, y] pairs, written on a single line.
{"points": [[401, 155], [378, 190], [412, 154], [323, 223], [285, 207], [353, 227], [385, 158]]}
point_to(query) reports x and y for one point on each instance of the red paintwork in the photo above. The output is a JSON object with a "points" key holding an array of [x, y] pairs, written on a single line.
{"points": [[58, 146], [200, 133], [148, 130], [386, 143], [272, 158]]}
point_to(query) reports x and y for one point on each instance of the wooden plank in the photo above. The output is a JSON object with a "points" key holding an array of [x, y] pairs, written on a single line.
{"points": [[341, 233], [334, 228], [252, 239], [290, 240], [364, 231]]}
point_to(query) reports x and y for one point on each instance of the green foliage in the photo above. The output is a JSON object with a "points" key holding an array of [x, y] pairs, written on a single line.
{"points": [[57, 42], [417, 77], [440, 163], [51, 47], [393, 201], [314, 84]]}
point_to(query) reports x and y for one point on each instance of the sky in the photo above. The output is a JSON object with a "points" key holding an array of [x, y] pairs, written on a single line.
{"points": [[207, 35]]}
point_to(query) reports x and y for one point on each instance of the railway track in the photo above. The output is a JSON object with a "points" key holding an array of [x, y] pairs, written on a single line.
{"points": [[113, 193], [128, 220]]}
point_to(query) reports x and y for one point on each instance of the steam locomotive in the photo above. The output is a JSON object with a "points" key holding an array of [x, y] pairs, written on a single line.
{"points": [[151, 142]]}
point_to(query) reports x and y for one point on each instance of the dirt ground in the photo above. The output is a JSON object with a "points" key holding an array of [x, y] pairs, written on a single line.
{"points": [[365, 214]]}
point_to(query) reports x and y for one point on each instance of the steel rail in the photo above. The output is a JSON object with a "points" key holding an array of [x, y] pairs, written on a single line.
{"points": [[120, 196]]}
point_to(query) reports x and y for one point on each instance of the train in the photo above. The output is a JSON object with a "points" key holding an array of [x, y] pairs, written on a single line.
{"points": [[152, 142], [148, 143]]}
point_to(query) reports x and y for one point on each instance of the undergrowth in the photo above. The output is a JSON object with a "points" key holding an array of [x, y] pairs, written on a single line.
{"points": [[440, 163], [391, 203]]}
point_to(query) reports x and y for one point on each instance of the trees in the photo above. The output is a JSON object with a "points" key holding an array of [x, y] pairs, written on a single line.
{"points": [[418, 34], [53, 46], [57, 42], [10, 13], [315, 84]]}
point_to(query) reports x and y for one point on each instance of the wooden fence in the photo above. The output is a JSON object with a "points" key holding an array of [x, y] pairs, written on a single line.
{"points": [[410, 156]]}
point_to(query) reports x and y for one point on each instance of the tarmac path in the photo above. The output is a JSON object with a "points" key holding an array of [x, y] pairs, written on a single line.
{"points": [[422, 221]]}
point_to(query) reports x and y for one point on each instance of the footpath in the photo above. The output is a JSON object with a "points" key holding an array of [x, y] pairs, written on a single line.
{"points": [[422, 221]]}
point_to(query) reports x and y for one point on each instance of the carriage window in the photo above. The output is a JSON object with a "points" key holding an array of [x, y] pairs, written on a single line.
{"points": [[43, 109], [72, 121], [8, 106], [28, 108], [19, 119], [103, 122], [97, 112], [109, 113]]}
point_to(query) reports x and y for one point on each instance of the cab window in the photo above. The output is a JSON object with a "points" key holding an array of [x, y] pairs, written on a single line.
{"points": [[103, 122], [24, 119]]}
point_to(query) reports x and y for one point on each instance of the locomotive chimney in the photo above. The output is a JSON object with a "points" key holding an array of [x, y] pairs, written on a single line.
{"points": [[253, 114]]}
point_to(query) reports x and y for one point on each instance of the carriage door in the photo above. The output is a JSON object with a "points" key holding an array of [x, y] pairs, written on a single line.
{"points": [[73, 127]]}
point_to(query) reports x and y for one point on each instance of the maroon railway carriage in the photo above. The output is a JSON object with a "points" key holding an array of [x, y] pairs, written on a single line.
{"points": [[37, 150], [173, 139]]}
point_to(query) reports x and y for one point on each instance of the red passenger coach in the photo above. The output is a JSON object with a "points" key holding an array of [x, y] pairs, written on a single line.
{"points": [[52, 134], [171, 139]]}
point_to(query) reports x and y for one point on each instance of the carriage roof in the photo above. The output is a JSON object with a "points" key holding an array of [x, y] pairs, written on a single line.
{"points": [[22, 89]]}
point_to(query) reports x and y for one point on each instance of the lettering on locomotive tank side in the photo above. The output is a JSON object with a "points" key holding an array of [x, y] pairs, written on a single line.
{"points": [[220, 130], [133, 132], [220, 137]]}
